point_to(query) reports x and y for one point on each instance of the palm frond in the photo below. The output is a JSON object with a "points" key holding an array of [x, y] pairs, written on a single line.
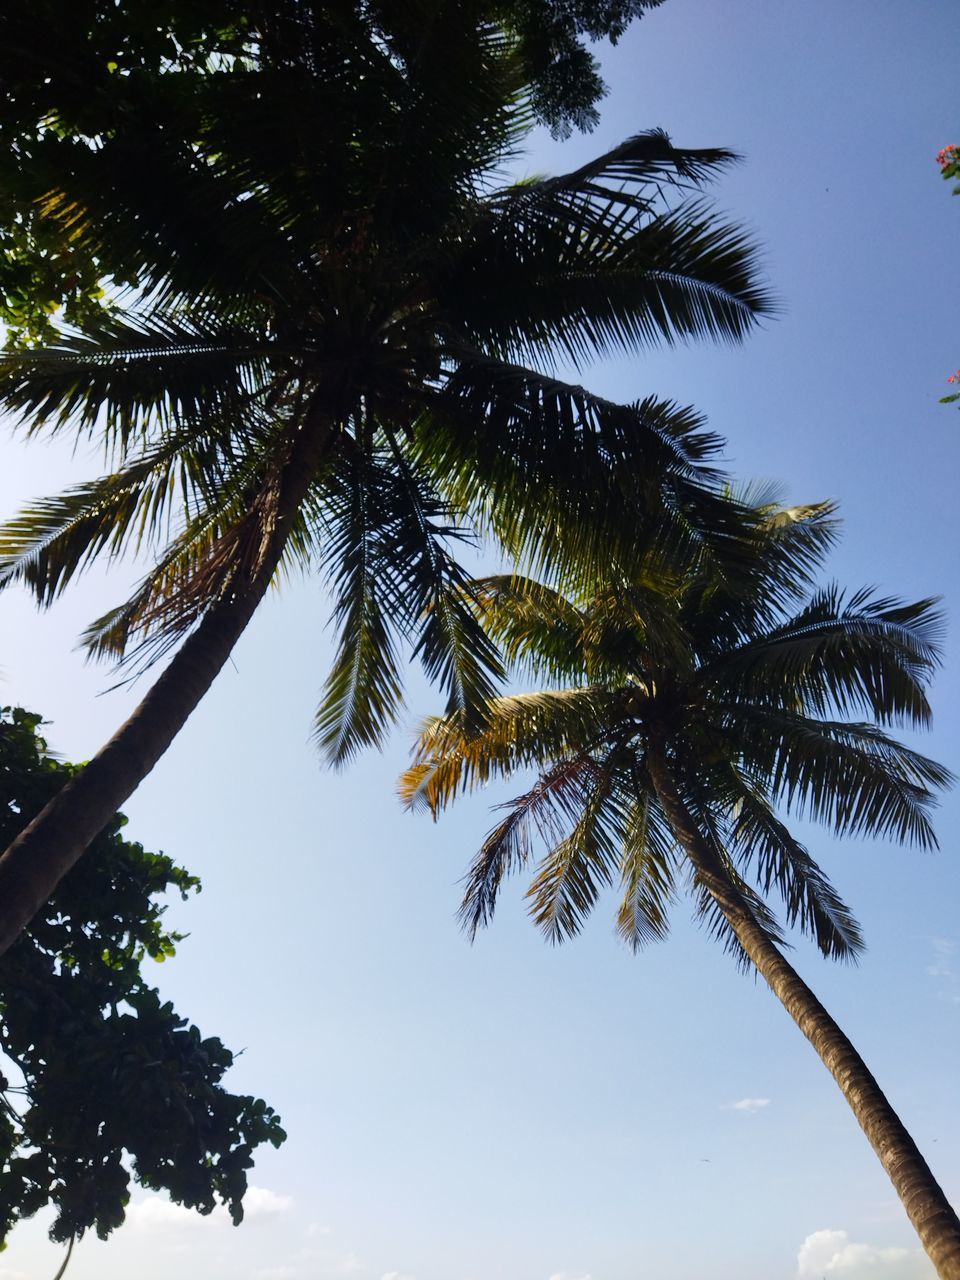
{"points": [[537, 459], [545, 813], [386, 536], [520, 731], [607, 280], [137, 371], [759, 839], [852, 777], [193, 572], [648, 868], [606, 638], [362, 695], [217, 551], [571, 875], [863, 655], [432, 597], [53, 539], [647, 158], [537, 627]]}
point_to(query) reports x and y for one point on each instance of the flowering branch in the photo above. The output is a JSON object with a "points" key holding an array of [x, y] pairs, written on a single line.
{"points": [[949, 161]]}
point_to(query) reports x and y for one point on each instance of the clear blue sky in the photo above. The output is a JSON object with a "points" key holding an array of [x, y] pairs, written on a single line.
{"points": [[511, 1110]]}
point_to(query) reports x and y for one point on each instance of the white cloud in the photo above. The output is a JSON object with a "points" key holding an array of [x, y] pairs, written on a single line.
{"points": [[319, 1229], [568, 1275], [832, 1255], [395, 1275], [7, 1274], [278, 1273], [943, 969], [156, 1213], [261, 1202], [943, 953], [159, 1214], [749, 1104]]}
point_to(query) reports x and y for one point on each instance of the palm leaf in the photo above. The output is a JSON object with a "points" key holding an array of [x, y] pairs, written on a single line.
{"points": [[536, 626], [571, 875], [607, 281], [852, 777], [136, 372], [53, 539], [362, 695], [554, 804], [727, 602], [385, 525], [760, 839], [537, 459], [520, 731], [219, 548], [648, 867], [863, 655], [431, 596], [648, 158]]}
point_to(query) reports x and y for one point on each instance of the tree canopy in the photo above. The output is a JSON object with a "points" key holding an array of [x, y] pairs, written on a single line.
{"points": [[766, 697], [341, 356], [102, 1080], [948, 158], [691, 715], [100, 66]]}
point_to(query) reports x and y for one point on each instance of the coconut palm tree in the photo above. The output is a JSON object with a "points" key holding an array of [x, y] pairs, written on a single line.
{"points": [[691, 718], [340, 356]]}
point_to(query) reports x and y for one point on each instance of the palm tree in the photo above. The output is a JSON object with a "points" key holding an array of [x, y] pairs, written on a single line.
{"points": [[340, 356], [689, 715]]}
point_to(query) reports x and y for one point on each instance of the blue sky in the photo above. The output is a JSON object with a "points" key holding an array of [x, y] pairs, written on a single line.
{"points": [[531, 1113]]}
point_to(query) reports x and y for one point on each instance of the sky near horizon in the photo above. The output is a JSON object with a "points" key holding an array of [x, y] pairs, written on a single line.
{"points": [[523, 1112]]}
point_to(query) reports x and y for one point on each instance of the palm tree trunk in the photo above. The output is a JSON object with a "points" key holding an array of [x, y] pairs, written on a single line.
{"points": [[48, 847], [927, 1207]]}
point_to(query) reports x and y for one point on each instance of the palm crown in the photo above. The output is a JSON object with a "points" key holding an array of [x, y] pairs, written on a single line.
{"points": [[754, 699], [343, 329], [693, 711]]}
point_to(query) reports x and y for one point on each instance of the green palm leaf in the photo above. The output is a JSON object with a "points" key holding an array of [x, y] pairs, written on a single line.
{"points": [[52, 540], [391, 535], [363, 690], [556, 803], [574, 869], [520, 731], [597, 264], [759, 838], [536, 626], [138, 372], [537, 458], [648, 870], [853, 777], [864, 655]]}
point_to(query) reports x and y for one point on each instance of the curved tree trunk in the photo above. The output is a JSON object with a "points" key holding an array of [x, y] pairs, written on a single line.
{"points": [[927, 1207], [45, 850]]}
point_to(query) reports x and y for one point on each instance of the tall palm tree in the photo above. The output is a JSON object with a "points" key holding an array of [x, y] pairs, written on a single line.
{"points": [[340, 356], [689, 716]]}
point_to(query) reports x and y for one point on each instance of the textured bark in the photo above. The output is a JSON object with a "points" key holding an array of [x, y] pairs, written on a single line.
{"points": [[45, 850], [927, 1207]]}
